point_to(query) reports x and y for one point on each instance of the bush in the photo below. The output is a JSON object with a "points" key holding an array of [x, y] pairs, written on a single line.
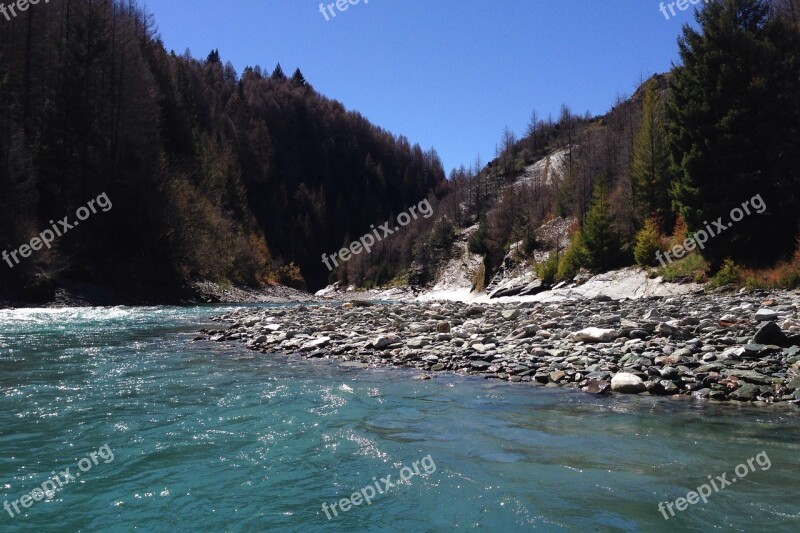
{"points": [[477, 242], [728, 274], [649, 241], [443, 233], [548, 269], [691, 268], [784, 275], [575, 257], [291, 276], [529, 242], [679, 233]]}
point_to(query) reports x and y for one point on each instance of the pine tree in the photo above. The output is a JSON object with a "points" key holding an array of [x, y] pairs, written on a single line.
{"points": [[650, 165], [735, 128], [278, 74], [299, 79], [213, 57], [598, 230]]}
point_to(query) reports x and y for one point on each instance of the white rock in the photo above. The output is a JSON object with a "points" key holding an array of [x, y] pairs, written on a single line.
{"points": [[382, 342], [627, 383], [765, 315], [594, 335], [322, 342]]}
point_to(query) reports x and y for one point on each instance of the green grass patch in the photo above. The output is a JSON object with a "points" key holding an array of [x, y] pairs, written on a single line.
{"points": [[690, 268]]}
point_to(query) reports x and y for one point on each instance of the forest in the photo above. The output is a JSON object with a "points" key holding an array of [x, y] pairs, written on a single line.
{"points": [[242, 179]]}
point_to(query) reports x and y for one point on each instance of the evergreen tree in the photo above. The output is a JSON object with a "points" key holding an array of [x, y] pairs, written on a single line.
{"points": [[213, 57], [598, 233], [299, 79], [650, 165], [735, 128], [278, 74]]}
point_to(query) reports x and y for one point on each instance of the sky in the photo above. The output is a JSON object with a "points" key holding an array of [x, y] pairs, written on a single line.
{"points": [[447, 74]]}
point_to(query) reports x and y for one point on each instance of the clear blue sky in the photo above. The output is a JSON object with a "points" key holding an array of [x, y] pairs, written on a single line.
{"points": [[448, 74]]}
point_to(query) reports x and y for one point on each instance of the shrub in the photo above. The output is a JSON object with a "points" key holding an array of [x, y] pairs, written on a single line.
{"points": [[784, 275], [529, 241], [649, 241], [679, 233], [443, 233], [575, 257], [291, 276], [691, 268], [477, 242], [548, 269], [728, 274]]}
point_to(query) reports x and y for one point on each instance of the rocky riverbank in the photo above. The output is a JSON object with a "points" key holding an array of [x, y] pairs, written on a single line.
{"points": [[739, 347]]}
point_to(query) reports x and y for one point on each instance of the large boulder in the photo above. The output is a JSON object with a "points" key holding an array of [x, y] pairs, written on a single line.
{"points": [[627, 383], [771, 333]]}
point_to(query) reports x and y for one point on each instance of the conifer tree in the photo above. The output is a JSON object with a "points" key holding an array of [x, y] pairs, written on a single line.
{"points": [[650, 165], [598, 233], [278, 74], [735, 128], [299, 79]]}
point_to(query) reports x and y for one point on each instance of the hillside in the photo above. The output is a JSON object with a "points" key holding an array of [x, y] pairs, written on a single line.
{"points": [[210, 175]]}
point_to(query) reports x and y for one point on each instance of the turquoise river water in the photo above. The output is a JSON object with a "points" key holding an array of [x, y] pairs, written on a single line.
{"points": [[199, 436]]}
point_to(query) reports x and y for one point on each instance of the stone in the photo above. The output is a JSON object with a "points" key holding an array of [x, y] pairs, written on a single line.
{"points": [[750, 376], [417, 343], [737, 352], [669, 387], [701, 394], [381, 343], [316, 344], [511, 314], [669, 372], [627, 383], [353, 364], [793, 383], [654, 316], [745, 393], [771, 333], [594, 335], [597, 386], [766, 315]]}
